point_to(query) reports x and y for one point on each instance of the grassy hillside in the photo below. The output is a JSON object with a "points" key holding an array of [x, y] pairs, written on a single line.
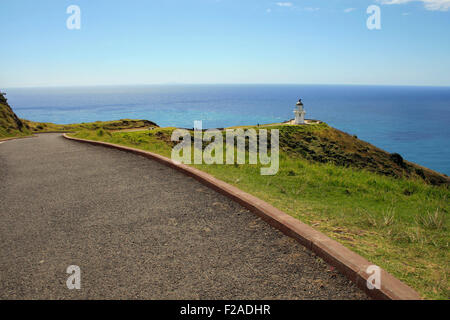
{"points": [[123, 124], [324, 144], [10, 124], [373, 202]]}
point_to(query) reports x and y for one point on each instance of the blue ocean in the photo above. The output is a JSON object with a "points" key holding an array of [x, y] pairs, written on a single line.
{"points": [[412, 121]]}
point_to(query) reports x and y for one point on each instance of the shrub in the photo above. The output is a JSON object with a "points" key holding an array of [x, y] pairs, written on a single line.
{"points": [[397, 159], [420, 172]]}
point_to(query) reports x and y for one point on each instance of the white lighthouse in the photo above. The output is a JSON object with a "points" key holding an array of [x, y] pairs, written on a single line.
{"points": [[299, 113]]}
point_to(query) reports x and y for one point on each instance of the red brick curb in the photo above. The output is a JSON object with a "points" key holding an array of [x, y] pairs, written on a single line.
{"points": [[346, 261]]}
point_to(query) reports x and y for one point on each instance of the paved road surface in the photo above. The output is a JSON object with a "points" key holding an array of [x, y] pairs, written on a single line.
{"points": [[138, 230]]}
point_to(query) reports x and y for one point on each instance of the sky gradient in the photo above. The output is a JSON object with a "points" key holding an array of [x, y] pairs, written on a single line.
{"points": [[224, 41]]}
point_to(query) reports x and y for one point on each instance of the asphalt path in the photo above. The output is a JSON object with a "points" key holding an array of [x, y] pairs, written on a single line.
{"points": [[138, 230]]}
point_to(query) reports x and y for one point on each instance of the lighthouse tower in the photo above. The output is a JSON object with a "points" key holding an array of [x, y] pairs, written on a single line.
{"points": [[299, 113]]}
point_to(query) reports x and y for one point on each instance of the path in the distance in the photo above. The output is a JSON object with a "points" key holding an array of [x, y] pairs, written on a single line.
{"points": [[138, 230]]}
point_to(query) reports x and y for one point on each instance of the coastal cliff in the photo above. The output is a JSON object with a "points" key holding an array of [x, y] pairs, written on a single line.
{"points": [[10, 124], [325, 144]]}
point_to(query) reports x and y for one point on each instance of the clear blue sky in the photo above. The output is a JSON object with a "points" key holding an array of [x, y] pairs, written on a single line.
{"points": [[224, 41]]}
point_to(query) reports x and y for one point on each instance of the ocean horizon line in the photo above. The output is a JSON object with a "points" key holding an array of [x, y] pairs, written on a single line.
{"points": [[225, 84]]}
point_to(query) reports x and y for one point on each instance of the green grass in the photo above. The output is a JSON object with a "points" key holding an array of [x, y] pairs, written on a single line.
{"points": [[8, 133], [123, 124], [400, 224]]}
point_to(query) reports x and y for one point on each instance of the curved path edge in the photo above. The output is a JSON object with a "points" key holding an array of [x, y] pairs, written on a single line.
{"points": [[15, 138], [351, 264]]}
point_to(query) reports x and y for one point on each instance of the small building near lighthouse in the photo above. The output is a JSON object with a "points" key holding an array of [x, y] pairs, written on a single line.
{"points": [[299, 113]]}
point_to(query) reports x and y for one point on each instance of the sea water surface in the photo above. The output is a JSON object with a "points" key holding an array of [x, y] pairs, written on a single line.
{"points": [[412, 121]]}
